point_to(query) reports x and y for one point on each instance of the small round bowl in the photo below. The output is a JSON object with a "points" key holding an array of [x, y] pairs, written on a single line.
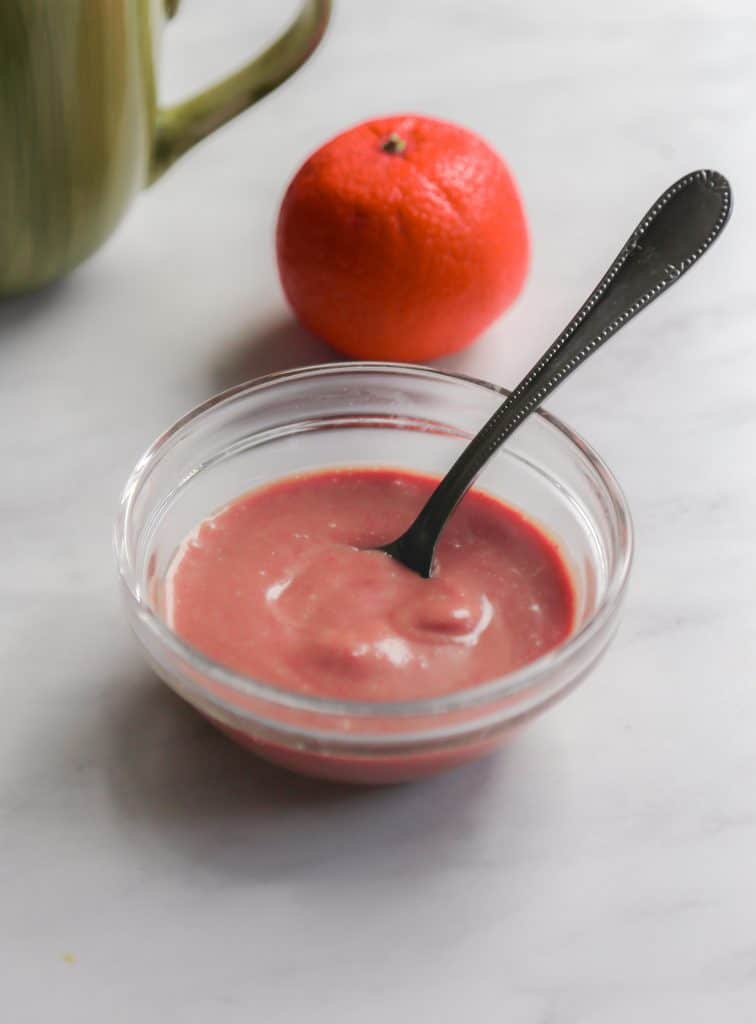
{"points": [[374, 414]]}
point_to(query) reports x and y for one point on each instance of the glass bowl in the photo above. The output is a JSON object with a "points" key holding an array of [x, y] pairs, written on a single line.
{"points": [[374, 414]]}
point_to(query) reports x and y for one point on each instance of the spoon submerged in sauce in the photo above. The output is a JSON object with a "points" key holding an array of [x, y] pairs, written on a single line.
{"points": [[674, 234]]}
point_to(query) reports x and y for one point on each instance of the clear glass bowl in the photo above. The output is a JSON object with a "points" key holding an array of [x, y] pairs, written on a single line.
{"points": [[377, 414]]}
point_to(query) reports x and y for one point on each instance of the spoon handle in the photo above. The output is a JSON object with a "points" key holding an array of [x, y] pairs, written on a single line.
{"points": [[674, 234]]}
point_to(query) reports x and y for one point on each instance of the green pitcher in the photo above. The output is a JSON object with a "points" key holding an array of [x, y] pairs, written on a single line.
{"points": [[80, 129]]}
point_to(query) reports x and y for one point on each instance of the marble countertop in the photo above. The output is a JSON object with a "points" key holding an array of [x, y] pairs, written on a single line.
{"points": [[601, 869]]}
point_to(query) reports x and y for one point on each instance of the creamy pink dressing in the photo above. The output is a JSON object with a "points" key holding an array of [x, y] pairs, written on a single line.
{"points": [[278, 586]]}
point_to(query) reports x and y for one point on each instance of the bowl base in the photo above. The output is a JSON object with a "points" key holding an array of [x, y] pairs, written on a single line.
{"points": [[361, 770]]}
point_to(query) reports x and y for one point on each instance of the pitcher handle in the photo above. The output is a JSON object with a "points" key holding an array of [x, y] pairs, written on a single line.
{"points": [[181, 126]]}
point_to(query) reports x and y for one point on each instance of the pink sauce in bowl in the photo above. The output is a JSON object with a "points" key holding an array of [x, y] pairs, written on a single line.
{"points": [[281, 585]]}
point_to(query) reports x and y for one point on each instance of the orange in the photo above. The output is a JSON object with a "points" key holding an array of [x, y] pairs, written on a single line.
{"points": [[402, 239]]}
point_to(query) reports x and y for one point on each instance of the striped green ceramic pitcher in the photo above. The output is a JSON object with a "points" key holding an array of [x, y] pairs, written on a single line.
{"points": [[80, 129]]}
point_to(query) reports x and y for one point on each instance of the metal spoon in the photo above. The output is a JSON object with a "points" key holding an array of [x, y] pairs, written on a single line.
{"points": [[674, 234]]}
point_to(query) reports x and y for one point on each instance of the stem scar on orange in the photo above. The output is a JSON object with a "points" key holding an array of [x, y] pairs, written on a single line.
{"points": [[402, 239]]}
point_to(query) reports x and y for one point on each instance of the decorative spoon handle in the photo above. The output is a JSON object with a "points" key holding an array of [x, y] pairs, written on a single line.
{"points": [[674, 234]]}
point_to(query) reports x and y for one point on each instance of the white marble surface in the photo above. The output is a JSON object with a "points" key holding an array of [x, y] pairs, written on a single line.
{"points": [[602, 869]]}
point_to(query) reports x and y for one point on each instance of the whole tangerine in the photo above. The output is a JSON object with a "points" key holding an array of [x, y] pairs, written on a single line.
{"points": [[402, 239]]}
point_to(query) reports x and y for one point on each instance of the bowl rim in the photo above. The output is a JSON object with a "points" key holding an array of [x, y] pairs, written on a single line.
{"points": [[511, 683]]}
